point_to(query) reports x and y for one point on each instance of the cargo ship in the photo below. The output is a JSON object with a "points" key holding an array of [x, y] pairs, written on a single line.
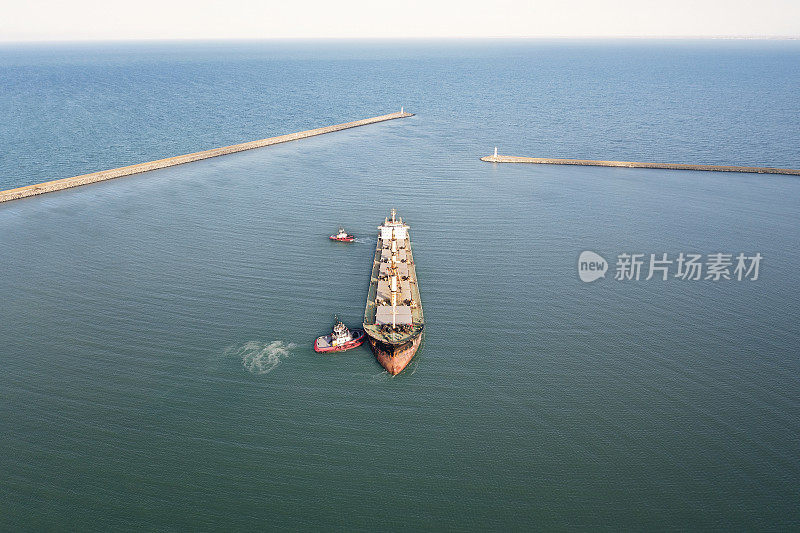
{"points": [[393, 317]]}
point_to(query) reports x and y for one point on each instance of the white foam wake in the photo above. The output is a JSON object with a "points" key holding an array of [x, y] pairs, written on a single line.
{"points": [[261, 357]]}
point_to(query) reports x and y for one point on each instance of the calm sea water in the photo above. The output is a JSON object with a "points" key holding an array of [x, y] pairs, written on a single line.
{"points": [[156, 331]]}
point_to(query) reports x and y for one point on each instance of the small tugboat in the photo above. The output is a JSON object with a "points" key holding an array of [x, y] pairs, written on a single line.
{"points": [[340, 340], [343, 236]]}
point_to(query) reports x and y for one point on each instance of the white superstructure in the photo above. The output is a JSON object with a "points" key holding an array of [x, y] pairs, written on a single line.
{"points": [[395, 225]]}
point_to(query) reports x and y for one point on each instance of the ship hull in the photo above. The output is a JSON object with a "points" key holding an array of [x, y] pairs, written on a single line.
{"points": [[395, 357]]}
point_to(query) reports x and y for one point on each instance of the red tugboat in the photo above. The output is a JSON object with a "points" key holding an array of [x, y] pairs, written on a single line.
{"points": [[343, 236], [340, 340]]}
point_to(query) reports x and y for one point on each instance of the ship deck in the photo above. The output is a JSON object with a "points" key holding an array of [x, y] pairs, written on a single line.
{"points": [[379, 293]]}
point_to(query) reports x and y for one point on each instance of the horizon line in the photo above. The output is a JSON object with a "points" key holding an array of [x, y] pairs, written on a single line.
{"points": [[412, 38]]}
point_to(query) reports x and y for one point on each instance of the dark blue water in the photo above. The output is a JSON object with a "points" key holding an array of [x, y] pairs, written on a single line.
{"points": [[80, 108], [156, 330]]}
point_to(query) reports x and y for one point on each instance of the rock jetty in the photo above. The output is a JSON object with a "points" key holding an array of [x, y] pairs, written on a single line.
{"points": [[632, 164], [103, 175]]}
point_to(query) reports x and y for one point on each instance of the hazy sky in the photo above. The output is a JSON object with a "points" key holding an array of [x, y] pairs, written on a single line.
{"points": [[33, 20]]}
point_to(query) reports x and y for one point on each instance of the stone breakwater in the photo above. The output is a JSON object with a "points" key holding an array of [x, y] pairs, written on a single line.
{"points": [[85, 179], [632, 164]]}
